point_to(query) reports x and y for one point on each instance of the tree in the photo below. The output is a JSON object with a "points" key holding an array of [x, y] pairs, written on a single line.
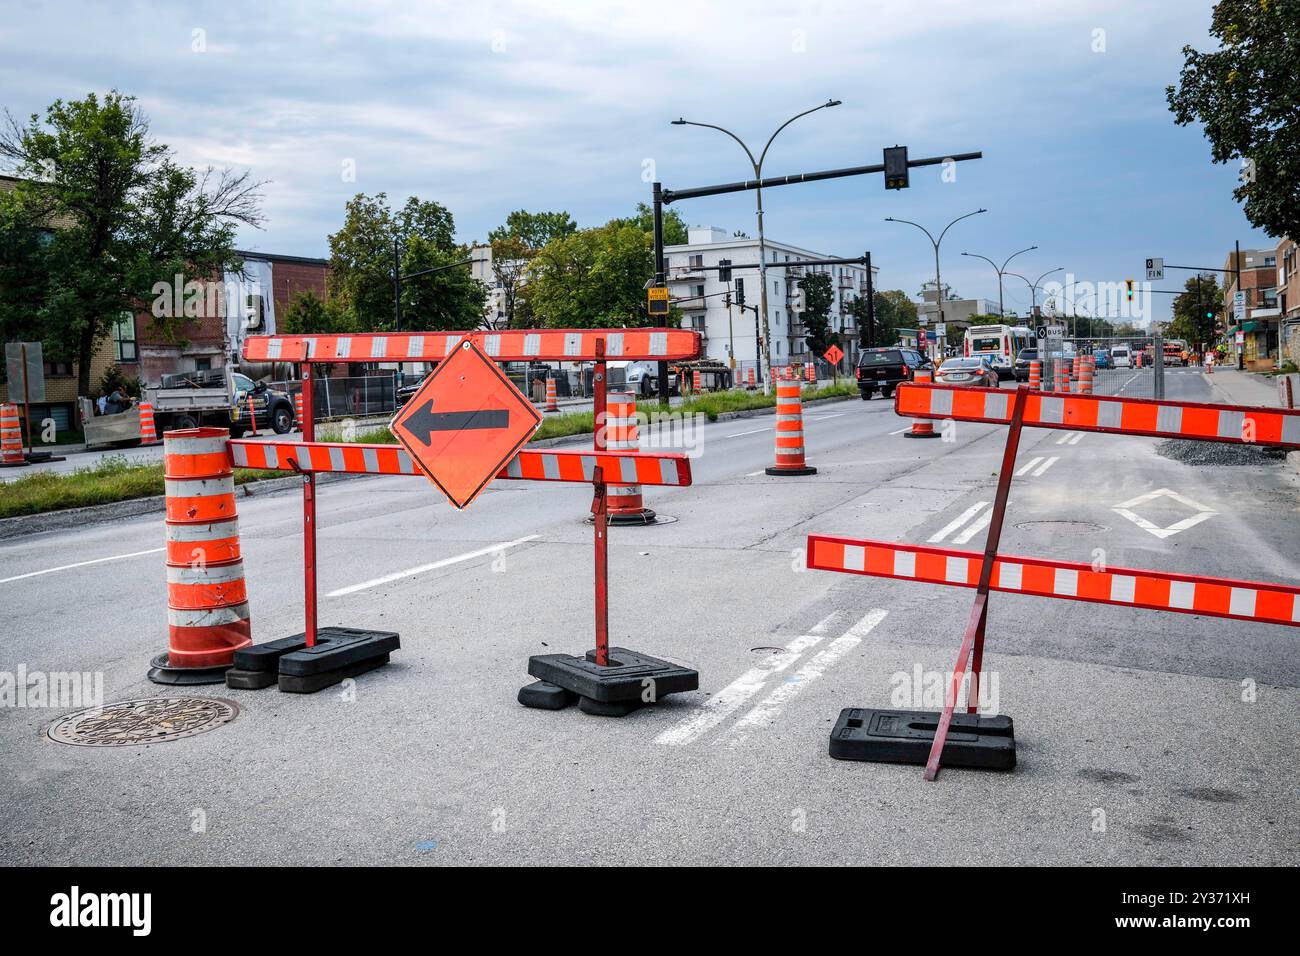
{"points": [[594, 278], [101, 216], [674, 226], [894, 311], [1244, 94], [534, 229], [818, 298], [1194, 311], [309, 314], [419, 236]]}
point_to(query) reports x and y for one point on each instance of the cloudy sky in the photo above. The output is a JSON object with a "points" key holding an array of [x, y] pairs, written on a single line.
{"points": [[489, 107]]}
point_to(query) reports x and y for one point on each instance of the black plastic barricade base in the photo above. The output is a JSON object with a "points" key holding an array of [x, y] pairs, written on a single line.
{"points": [[339, 653], [629, 681], [161, 672], [790, 472], [546, 696], [905, 736]]}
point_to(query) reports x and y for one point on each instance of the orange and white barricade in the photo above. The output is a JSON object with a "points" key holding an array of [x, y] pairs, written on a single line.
{"points": [[11, 437], [790, 458], [207, 601]]}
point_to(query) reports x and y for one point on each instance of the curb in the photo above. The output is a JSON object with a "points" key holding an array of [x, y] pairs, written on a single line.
{"points": [[23, 525]]}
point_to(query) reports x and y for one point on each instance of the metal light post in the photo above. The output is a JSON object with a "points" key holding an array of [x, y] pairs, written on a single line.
{"points": [[1000, 270], [938, 281], [1034, 286], [762, 243], [398, 279]]}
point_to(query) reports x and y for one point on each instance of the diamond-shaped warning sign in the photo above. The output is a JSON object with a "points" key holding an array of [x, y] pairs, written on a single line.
{"points": [[465, 424], [833, 354]]}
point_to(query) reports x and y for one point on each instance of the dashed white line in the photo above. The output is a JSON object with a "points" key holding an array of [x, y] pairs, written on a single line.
{"points": [[434, 566], [1038, 473], [770, 707], [752, 431], [957, 522], [1070, 438], [1025, 468], [901, 430], [80, 564], [976, 526]]}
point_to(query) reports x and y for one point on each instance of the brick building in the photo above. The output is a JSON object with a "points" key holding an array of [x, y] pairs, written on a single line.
{"points": [[1259, 329]]}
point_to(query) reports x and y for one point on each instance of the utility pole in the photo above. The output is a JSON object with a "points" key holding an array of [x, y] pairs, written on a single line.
{"points": [[870, 340]]}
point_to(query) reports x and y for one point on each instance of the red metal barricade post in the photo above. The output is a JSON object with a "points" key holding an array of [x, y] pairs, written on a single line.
{"points": [[897, 736]]}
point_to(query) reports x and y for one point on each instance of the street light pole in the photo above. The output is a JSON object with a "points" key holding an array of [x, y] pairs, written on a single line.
{"points": [[938, 280], [1000, 270], [757, 164]]}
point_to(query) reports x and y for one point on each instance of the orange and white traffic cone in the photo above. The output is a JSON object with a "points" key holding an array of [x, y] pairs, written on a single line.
{"points": [[922, 427], [789, 433], [252, 416], [297, 409], [11, 437], [552, 401], [624, 502], [1036, 375], [207, 600], [148, 431], [698, 383]]}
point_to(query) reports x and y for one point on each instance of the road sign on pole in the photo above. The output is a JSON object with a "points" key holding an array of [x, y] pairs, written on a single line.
{"points": [[465, 423], [833, 354], [1155, 270], [657, 300]]}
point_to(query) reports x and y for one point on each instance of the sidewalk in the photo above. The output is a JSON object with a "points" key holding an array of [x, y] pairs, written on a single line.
{"points": [[1242, 388]]}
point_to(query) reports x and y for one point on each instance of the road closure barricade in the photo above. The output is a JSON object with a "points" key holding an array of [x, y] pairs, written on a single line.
{"points": [[461, 441], [923, 737]]}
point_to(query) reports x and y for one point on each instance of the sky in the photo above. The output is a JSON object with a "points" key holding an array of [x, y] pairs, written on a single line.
{"points": [[495, 106]]}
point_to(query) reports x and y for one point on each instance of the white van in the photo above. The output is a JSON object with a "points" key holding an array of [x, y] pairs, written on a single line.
{"points": [[1121, 357]]}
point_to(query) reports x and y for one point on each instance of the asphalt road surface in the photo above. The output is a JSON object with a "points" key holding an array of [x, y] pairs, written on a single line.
{"points": [[1143, 737]]}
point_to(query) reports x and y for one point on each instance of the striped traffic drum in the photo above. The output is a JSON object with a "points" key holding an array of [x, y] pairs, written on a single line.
{"points": [[789, 433], [207, 600], [625, 503]]}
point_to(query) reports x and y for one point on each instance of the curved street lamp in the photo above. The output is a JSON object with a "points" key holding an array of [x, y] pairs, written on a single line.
{"points": [[1000, 270], [757, 165], [1034, 286], [938, 283]]}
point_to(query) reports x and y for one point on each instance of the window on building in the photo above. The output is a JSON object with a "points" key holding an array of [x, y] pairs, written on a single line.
{"points": [[697, 290], [53, 369], [697, 262], [124, 338]]}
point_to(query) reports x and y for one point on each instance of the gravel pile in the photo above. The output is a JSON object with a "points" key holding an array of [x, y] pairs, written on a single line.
{"points": [[1219, 453]]}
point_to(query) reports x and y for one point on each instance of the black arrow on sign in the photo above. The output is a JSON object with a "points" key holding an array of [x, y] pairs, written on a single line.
{"points": [[423, 422]]}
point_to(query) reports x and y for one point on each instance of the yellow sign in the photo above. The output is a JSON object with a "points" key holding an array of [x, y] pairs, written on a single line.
{"points": [[657, 300]]}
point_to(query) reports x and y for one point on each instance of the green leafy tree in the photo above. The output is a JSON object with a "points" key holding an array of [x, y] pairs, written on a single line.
{"points": [[1244, 94], [419, 236], [594, 278], [1194, 310], [513, 246], [674, 225], [309, 314], [102, 215], [819, 297], [988, 319], [894, 311], [534, 229]]}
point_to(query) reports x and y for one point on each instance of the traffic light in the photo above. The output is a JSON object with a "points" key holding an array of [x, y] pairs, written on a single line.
{"points": [[1209, 314], [740, 293], [1128, 289], [724, 270], [896, 167]]}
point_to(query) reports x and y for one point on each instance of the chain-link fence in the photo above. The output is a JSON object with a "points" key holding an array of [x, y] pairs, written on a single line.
{"points": [[350, 396]]}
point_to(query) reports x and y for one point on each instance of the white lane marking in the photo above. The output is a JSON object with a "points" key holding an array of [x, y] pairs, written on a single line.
{"points": [[80, 564], [1066, 437], [1032, 463], [976, 526], [1078, 437], [1202, 513], [1038, 473], [769, 708], [759, 472], [434, 566], [732, 697], [901, 430], [957, 522], [752, 431], [822, 418]]}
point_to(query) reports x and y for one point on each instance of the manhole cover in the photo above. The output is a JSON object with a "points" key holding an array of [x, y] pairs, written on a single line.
{"points": [[150, 720], [1061, 527]]}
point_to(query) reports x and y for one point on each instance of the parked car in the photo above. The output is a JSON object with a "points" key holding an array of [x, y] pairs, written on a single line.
{"points": [[976, 371], [1121, 356], [1102, 358], [882, 369], [1021, 369]]}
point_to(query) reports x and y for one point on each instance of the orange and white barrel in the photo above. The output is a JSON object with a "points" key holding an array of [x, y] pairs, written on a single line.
{"points": [[1036, 374], [790, 458], [625, 502], [552, 401], [922, 427], [750, 378], [698, 381], [207, 598], [148, 430], [297, 409], [1062, 381], [11, 437], [810, 371], [1086, 370]]}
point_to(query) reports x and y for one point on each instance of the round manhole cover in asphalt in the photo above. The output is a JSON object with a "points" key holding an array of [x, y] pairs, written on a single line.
{"points": [[149, 720], [1061, 527]]}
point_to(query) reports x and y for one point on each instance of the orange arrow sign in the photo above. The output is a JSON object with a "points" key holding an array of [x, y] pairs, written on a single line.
{"points": [[465, 424]]}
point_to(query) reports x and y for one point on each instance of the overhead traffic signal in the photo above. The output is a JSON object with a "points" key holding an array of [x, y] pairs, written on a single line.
{"points": [[740, 293], [1128, 289], [896, 167], [724, 270]]}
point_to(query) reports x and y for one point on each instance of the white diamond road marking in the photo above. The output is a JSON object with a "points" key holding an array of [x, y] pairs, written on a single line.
{"points": [[1202, 513]]}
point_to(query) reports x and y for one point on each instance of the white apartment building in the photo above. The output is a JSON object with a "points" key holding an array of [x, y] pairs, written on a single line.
{"points": [[697, 292]]}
